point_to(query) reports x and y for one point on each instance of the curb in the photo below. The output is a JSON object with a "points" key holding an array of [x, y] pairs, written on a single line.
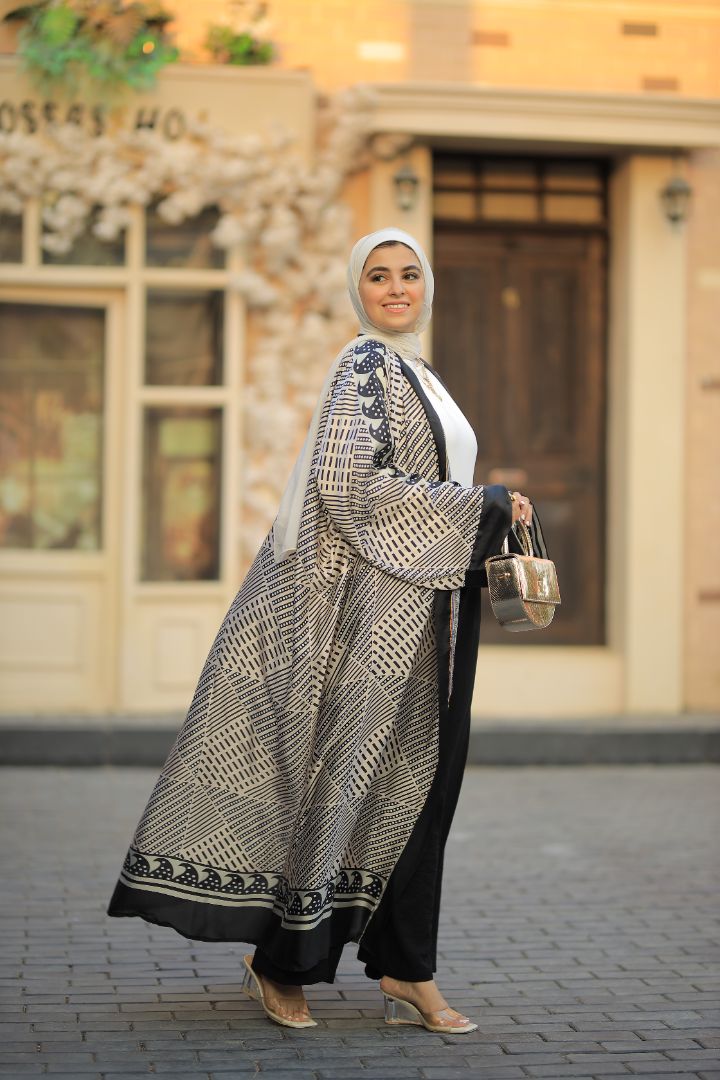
{"points": [[672, 741]]}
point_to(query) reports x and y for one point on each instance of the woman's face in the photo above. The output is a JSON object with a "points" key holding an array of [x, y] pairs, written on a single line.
{"points": [[392, 288]]}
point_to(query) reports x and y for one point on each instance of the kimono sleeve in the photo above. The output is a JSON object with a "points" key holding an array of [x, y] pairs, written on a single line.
{"points": [[430, 532]]}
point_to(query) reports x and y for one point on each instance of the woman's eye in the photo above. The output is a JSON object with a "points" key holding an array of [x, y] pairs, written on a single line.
{"points": [[411, 276], [377, 277]]}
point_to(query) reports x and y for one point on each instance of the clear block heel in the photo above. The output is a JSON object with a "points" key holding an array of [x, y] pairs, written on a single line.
{"points": [[399, 1011], [253, 987]]}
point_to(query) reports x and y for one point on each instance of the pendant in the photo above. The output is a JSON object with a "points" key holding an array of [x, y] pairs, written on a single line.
{"points": [[425, 378]]}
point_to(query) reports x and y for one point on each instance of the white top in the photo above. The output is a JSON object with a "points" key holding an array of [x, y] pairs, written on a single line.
{"points": [[459, 436]]}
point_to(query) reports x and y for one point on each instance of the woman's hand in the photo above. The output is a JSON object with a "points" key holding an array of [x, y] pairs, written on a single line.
{"points": [[521, 508]]}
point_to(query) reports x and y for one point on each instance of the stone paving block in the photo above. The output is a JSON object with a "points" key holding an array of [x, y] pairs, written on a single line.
{"points": [[22, 1068], [512, 1072], [144, 1075], [556, 1072], [708, 1056], [282, 1074], [68, 1062], [667, 1066], [240, 1074]]}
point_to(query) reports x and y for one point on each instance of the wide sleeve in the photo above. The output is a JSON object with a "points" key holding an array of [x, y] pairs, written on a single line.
{"points": [[433, 533]]}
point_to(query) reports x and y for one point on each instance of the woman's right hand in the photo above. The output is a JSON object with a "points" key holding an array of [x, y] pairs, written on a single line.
{"points": [[521, 508]]}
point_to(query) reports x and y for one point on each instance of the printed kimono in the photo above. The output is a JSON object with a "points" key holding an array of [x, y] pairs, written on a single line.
{"points": [[311, 746]]}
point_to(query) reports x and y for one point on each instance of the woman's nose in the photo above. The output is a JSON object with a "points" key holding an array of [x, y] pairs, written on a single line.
{"points": [[397, 287]]}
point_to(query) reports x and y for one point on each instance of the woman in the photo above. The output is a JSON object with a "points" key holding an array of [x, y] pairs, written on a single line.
{"points": [[308, 797]]}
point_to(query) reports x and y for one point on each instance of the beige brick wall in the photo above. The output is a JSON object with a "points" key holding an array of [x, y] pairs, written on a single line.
{"points": [[702, 470], [568, 45]]}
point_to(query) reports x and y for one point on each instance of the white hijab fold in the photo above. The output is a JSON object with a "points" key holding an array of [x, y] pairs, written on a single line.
{"points": [[407, 345]]}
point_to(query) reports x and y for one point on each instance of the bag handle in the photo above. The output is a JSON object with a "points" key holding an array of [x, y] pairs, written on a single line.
{"points": [[523, 534]]}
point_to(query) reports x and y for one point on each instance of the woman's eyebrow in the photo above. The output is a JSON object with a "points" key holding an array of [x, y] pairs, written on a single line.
{"points": [[374, 269]]}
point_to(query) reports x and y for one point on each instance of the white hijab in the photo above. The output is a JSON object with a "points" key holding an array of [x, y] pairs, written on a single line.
{"points": [[287, 523]]}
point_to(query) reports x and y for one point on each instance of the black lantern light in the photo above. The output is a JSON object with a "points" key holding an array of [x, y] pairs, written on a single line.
{"points": [[675, 198], [406, 183]]}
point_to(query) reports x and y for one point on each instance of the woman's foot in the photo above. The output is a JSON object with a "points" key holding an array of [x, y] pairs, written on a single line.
{"points": [[287, 1001], [283, 1003], [434, 1010]]}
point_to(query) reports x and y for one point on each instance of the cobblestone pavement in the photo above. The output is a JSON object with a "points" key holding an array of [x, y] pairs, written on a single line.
{"points": [[580, 929]]}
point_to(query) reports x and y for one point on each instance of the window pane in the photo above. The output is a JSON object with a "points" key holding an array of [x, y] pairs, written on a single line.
{"points": [[10, 238], [51, 413], [574, 175], [181, 494], [580, 208], [89, 250], [510, 207], [455, 204], [454, 173], [187, 243], [184, 338], [509, 174]]}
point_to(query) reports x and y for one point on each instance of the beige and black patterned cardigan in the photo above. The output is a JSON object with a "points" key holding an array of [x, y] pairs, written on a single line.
{"points": [[311, 741]]}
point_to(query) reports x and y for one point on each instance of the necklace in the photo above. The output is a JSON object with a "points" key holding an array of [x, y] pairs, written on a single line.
{"points": [[425, 378]]}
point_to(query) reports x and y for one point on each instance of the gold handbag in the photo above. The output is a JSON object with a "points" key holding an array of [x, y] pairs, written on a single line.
{"points": [[523, 589]]}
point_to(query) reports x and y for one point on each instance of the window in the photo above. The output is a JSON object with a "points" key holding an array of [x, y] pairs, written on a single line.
{"points": [[181, 494], [11, 238], [184, 337], [88, 249], [186, 243], [51, 414], [522, 190]]}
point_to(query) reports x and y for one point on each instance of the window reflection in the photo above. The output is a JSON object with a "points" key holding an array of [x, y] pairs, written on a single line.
{"points": [[183, 337], [181, 494], [51, 413], [10, 238], [185, 243], [89, 250]]}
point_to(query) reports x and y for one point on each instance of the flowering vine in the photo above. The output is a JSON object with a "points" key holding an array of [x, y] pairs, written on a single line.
{"points": [[285, 216]]}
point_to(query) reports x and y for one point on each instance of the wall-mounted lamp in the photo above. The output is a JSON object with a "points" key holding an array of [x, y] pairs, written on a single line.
{"points": [[675, 198], [406, 182]]}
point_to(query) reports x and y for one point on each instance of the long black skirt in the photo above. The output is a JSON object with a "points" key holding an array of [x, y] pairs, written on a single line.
{"points": [[400, 938]]}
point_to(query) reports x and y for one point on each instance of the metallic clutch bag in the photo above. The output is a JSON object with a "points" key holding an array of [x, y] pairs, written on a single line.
{"points": [[523, 589]]}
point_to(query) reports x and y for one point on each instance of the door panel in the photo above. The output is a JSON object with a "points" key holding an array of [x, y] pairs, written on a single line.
{"points": [[519, 338], [58, 518]]}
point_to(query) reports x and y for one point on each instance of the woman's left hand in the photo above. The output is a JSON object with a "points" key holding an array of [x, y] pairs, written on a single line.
{"points": [[521, 508]]}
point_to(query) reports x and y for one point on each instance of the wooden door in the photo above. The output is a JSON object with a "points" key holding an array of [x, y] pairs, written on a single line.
{"points": [[519, 337]]}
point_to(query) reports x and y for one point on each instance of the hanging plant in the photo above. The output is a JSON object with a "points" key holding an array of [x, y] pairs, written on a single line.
{"points": [[244, 38], [227, 47], [97, 49]]}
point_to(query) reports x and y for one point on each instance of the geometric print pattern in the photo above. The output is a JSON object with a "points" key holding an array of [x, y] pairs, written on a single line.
{"points": [[311, 741]]}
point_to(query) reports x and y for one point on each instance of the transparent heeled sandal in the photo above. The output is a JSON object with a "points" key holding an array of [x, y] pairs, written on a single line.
{"points": [[399, 1011], [253, 987]]}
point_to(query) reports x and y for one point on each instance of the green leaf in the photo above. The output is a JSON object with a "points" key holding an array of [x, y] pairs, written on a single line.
{"points": [[57, 24]]}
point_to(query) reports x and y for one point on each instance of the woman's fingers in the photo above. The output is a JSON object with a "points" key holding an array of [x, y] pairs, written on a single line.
{"points": [[521, 508]]}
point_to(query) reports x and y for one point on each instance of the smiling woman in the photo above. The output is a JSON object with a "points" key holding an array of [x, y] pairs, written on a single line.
{"points": [[308, 797], [392, 294]]}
